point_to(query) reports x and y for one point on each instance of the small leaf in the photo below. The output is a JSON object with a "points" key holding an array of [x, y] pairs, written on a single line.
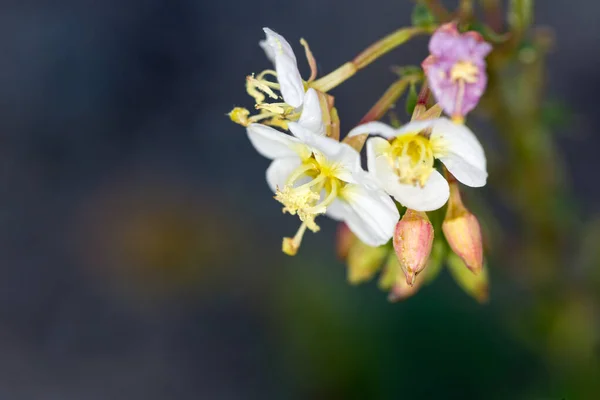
{"points": [[407, 71], [422, 16]]}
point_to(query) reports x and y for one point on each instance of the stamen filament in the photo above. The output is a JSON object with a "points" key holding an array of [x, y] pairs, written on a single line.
{"points": [[298, 173], [261, 76], [322, 206], [290, 246], [318, 179]]}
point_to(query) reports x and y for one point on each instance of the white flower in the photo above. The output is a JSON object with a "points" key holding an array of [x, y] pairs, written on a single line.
{"points": [[279, 51], [312, 174], [403, 164]]}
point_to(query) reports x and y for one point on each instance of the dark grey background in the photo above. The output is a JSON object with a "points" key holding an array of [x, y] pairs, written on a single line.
{"points": [[139, 244]]}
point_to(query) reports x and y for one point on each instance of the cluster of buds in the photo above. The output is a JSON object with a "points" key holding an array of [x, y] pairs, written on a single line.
{"points": [[313, 173]]}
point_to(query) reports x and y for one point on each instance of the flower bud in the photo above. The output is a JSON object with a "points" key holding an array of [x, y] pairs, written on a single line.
{"points": [[364, 261], [463, 232], [344, 239], [413, 239], [402, 290], [476, 286]]}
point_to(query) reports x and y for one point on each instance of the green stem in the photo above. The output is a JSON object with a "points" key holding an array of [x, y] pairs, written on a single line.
{"points": [[370, 54]]}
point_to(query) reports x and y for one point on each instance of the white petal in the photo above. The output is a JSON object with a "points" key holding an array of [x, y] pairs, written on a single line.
{"points": [[370, 214], [312, 117], [288, 76], [374, 128], [432, 196], [330, 151], [460, 151], [271, 143], [268, 50], [415, 127], [279, 170], [376, 146]]}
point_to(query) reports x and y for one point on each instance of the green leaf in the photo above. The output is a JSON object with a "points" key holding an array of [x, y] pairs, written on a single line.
{"points": [[422, 17], [411, 99]]}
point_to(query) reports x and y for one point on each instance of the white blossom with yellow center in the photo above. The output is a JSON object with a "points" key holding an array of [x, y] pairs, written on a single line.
{"points": [[403, 160], [285, 79], [312, 175]]}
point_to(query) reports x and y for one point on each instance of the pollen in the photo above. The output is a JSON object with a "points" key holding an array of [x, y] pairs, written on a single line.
{"points": [[297, 201], [411, 157], [308, 191], [464, 71]]}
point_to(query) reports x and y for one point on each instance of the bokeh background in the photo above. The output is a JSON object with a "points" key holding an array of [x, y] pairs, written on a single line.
{"points": [[139, 243]]}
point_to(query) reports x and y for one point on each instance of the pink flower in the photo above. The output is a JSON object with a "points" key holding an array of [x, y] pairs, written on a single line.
{"points": [[455, 69]]}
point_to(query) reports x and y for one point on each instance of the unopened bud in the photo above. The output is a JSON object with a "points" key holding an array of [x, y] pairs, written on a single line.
{"points": [[402, 290], [393, 280], [476, 286], [412, 241], [364, 261], [463, 232], [344, 240]]}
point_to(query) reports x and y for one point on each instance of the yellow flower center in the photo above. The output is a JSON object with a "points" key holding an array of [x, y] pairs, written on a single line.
{"points": [[464, 71], [306, 199], [411, 156]]}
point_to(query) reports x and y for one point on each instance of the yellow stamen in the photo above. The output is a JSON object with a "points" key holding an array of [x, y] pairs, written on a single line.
{"points": [[412, 159], [304, 199], [256, 87], [290, 246], [239, 115], [465, 71]]}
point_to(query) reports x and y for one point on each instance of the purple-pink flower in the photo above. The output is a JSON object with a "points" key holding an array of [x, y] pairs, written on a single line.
{"points": [[455, 69]]}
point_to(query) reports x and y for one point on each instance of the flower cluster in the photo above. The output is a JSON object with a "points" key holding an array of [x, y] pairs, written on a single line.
{"points": [[313, 173]]}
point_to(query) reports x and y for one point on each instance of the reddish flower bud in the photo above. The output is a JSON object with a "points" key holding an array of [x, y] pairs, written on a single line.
{"points": [[344, 239], [463, 232], [413, 239]]}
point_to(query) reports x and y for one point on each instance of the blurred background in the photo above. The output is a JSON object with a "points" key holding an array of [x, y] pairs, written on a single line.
{"points": [[140, 245]]}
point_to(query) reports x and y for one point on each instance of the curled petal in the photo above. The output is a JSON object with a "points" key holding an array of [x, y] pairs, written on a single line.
{"points": [[279, 171], [460, 151], [271, 143], [312, 116], [288, 76], [269, 52]]}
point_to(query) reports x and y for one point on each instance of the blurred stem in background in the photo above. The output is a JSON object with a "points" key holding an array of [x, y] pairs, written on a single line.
{"points": [[559, 317]]}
